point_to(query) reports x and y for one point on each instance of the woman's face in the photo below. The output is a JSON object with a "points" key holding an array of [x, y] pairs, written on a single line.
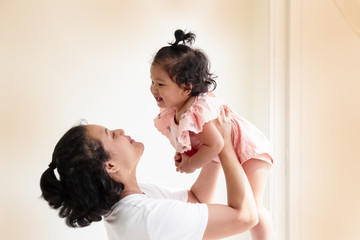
{"points": [[124, 152]]}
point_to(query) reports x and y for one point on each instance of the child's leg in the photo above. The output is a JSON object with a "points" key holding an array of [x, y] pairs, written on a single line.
{"points": [[257, 173]]}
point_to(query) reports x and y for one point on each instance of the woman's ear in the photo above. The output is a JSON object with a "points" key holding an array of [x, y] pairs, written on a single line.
{"points": [[110, 167], [113, 171]]}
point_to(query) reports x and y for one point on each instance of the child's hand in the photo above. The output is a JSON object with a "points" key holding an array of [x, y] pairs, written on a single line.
{"points": [[177, 158], [185, 165]]}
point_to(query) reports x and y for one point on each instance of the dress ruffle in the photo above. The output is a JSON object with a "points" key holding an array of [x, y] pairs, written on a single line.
{"points": [[204, 109], [163, 119], [248, 140]]}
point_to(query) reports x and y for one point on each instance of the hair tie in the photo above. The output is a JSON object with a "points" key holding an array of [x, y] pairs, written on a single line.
{"points": [[52, 165]]}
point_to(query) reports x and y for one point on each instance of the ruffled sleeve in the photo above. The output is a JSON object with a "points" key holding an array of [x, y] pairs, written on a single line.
{"points": [[204, 109], [163, 121]]}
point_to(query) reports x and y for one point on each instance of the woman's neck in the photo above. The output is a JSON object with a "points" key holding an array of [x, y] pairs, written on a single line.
{"points": [[131, 188]]}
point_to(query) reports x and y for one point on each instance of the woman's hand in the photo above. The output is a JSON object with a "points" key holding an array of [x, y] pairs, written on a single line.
{"points": [[223, 125]]}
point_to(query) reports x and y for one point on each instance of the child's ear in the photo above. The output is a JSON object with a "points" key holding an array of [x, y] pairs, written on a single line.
{"points": [[187, 88]]}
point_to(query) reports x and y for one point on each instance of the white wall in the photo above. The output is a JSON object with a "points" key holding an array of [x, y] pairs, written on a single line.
{"points": [[61, 61], [324, 65]]}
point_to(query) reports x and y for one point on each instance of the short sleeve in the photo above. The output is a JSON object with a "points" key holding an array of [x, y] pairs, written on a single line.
{"points": [[171, 219], [141, 216], [204, 109]]}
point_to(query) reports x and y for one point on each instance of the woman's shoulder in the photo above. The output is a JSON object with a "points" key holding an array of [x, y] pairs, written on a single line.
{"points": [[139, 216], [157, 192]]}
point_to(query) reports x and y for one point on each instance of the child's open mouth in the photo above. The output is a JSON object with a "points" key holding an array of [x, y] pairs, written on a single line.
{"points": [[158, 99]]}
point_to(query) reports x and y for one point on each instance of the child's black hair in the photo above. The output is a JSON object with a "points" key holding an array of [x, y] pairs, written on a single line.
{"points": [[186, 65]]}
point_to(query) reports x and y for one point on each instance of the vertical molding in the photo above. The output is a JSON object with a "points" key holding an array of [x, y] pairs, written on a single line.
{"points": [[294, 118], [285, 116], [285, 128], [278, 120]]}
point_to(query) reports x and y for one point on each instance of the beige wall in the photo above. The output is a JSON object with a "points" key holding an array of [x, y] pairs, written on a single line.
{"points": [[61, 61], [328, 62]]}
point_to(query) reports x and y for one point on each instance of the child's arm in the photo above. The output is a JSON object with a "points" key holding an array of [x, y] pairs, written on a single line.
{"points": [[212, 143]]}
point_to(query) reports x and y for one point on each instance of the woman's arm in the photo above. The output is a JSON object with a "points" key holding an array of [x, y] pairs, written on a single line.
{"points": [[212, 143], [240, 214], [203, 189]]}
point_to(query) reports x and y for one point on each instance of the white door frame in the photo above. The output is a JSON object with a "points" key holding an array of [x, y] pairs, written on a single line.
{"points": [[285, 116]]}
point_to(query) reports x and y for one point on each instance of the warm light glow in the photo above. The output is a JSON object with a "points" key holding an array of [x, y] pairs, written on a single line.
{"points": [[350, 9]]}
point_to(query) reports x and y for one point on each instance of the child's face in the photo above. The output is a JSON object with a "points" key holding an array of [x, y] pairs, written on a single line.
{"points": [[166, 92]]}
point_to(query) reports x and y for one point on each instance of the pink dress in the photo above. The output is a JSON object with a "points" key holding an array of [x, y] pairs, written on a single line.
{"points": [[249, 142]]}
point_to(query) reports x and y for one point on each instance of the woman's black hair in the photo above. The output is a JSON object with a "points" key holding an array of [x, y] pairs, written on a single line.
{"points": [[186, 65], [84, 192]]}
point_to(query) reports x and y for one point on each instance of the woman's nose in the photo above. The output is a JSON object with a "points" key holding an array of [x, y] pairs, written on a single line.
{"points": [[120, 131]]}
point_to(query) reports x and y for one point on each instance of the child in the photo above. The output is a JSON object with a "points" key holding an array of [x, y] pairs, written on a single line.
{"points": [[180, 82]]}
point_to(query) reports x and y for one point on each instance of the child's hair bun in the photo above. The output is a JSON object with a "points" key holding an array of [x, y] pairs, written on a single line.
{"points": [[180, 35]]}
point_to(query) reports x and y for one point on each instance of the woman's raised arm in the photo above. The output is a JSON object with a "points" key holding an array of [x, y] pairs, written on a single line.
{"points": [[240, 213]]}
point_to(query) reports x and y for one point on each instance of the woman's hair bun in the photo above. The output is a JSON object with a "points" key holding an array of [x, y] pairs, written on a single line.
{"points": [[51, 188], [180, 35]]}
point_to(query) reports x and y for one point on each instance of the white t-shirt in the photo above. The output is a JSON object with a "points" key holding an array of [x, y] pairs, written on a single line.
{"points": [[158, 214]]}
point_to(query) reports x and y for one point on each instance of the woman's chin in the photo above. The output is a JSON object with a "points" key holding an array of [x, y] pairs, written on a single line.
{"points": [[141, 148]]}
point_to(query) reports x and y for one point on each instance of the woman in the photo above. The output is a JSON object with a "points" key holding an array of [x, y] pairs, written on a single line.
{"points": [[97, 179]]}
